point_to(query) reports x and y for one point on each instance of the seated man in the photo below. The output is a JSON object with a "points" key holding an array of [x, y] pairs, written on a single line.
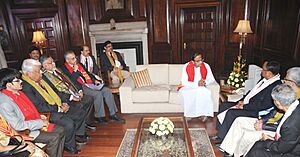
{"points": [[286, 142], [66, 90], [88, 83], [21, 114], [245, 131], [46, 100], [87, 60], [7, 132], [195, 97], [258, 99], [34, 53], [113, 61]]}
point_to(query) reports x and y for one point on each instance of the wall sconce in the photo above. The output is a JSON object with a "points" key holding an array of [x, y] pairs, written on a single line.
{"points": [[39, 40], [243, 28]]}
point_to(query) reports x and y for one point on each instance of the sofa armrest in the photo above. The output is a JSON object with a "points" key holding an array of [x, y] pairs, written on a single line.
{"points": [[215, 93], [126, 94]]}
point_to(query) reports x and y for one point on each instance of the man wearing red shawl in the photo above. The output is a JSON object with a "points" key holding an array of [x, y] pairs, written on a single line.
{"points": [[21, 114], [194, 95]]}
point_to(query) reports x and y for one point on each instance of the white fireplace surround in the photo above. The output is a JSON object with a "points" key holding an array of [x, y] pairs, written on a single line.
{"points": [[124, 32]]}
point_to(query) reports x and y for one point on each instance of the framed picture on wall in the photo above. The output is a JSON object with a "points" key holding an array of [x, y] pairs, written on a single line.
{"points": [[114, 4]]}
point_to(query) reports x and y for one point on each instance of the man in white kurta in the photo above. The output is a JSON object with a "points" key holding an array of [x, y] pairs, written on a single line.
{"points": [[194, 95]]}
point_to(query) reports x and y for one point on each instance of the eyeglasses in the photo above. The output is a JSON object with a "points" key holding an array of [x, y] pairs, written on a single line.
{"points": [[287, 80], [17, 80]]}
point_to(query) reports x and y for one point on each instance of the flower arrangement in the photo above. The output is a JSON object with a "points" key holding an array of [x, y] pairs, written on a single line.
{"points": [[161, 126], [238, 75]]}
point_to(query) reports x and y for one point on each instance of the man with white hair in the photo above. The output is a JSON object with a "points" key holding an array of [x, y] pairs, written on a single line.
{"points": [[245, 131], [46, 100], [286, 142]]}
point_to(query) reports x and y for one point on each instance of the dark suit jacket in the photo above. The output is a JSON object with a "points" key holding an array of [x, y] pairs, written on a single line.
{"points": [[95, 66], [105, 64], [262, 100], [289, 142], [75, 75], [37, 99]]}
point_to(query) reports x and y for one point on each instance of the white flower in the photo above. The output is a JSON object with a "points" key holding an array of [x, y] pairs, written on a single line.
{"points": [[159, 133], [243, 84], [237, 85], [236, 80], [162, 127], [155, 126], [152, 130], [166, 132]]}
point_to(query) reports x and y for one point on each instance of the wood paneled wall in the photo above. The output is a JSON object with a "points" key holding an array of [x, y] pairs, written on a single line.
{"points": [[275, 26]]}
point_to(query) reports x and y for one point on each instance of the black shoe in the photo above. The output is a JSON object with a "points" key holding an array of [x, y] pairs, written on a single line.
{"points": [[227, 155], [101, 120], [214, 137], [85, 136], [117, 119], [217, 144], [90, 127], [80, 141], [220, 149], [72, 150]]}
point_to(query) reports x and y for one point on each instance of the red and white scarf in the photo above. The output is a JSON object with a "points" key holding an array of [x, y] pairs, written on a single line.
{"points": [[88, 79]]}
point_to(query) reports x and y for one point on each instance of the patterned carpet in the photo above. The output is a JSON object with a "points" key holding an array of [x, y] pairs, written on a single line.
{"points": [[200, 141]]}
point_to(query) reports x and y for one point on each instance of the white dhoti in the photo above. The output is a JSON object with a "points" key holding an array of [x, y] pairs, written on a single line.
{"points": [[196, 101], [242, 136]]}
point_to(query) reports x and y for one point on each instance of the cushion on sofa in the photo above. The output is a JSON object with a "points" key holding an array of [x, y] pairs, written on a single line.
{"points": [[154, 93], [158, 72], [175, 72], [141, 78]]}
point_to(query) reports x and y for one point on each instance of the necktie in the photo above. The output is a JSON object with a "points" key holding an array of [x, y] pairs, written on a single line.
{"points": [[111, 55], [41, 85], [86, 63]]}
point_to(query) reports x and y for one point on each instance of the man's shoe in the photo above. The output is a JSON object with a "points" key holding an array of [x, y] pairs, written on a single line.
{"points": [[227, 155], [101, 120], [220, 149], [80, 141], [214, 137], [72, 150], [85, 136], [217, 144], [117, 119], [90, 127]]}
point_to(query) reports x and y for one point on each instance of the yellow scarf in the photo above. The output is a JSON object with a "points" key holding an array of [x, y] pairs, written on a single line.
{"points": [[112, 62], [50, 96]]}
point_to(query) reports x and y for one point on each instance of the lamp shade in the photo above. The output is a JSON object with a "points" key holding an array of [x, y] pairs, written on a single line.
{"points": [[243, 27], [38, 36]]}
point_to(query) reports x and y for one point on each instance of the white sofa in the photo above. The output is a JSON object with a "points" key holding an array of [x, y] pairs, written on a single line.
{"points": [[162, 96]]}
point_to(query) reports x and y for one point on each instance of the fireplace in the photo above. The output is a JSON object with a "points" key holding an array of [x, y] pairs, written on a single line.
{"points": [[129, 38]]}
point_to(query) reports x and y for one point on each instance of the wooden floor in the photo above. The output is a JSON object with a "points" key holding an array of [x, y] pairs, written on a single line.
{"points": [[106, 140]]}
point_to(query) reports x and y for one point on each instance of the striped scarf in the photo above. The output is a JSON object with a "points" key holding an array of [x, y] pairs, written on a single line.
{"points": [[49, 95]]}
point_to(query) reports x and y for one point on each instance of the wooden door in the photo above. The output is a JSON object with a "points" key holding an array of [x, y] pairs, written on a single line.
{"points": [[198, 28]]}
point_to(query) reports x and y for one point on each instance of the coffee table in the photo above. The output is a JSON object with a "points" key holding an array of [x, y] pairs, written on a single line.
{"points": [[177, 144]]}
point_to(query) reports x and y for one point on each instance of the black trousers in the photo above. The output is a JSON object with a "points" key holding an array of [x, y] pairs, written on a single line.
{"points": [[73, 123], [87, 105], [258, 150], [55, 141], [231, 115]]}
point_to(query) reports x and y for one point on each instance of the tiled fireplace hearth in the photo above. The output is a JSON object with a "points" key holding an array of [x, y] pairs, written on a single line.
{"points": [[125, 32]]}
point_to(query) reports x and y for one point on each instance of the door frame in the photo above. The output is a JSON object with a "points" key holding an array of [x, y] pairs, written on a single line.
{"points": [[179, 25]]}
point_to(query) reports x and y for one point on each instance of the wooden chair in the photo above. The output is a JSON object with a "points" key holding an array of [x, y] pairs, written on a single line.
{"points": [[114, 87]]}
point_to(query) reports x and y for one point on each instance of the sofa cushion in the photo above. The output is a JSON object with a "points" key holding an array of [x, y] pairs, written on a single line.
{"points": [[154, 93], [175, 72], [174, 95], [158, 72], [141, 78]]}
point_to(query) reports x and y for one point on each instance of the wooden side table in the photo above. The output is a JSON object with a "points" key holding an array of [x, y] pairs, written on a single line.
{"points": [[227, 93]]}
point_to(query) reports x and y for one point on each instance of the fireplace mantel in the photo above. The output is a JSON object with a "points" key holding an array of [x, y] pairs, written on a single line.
{"points": [[124, 32]]}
